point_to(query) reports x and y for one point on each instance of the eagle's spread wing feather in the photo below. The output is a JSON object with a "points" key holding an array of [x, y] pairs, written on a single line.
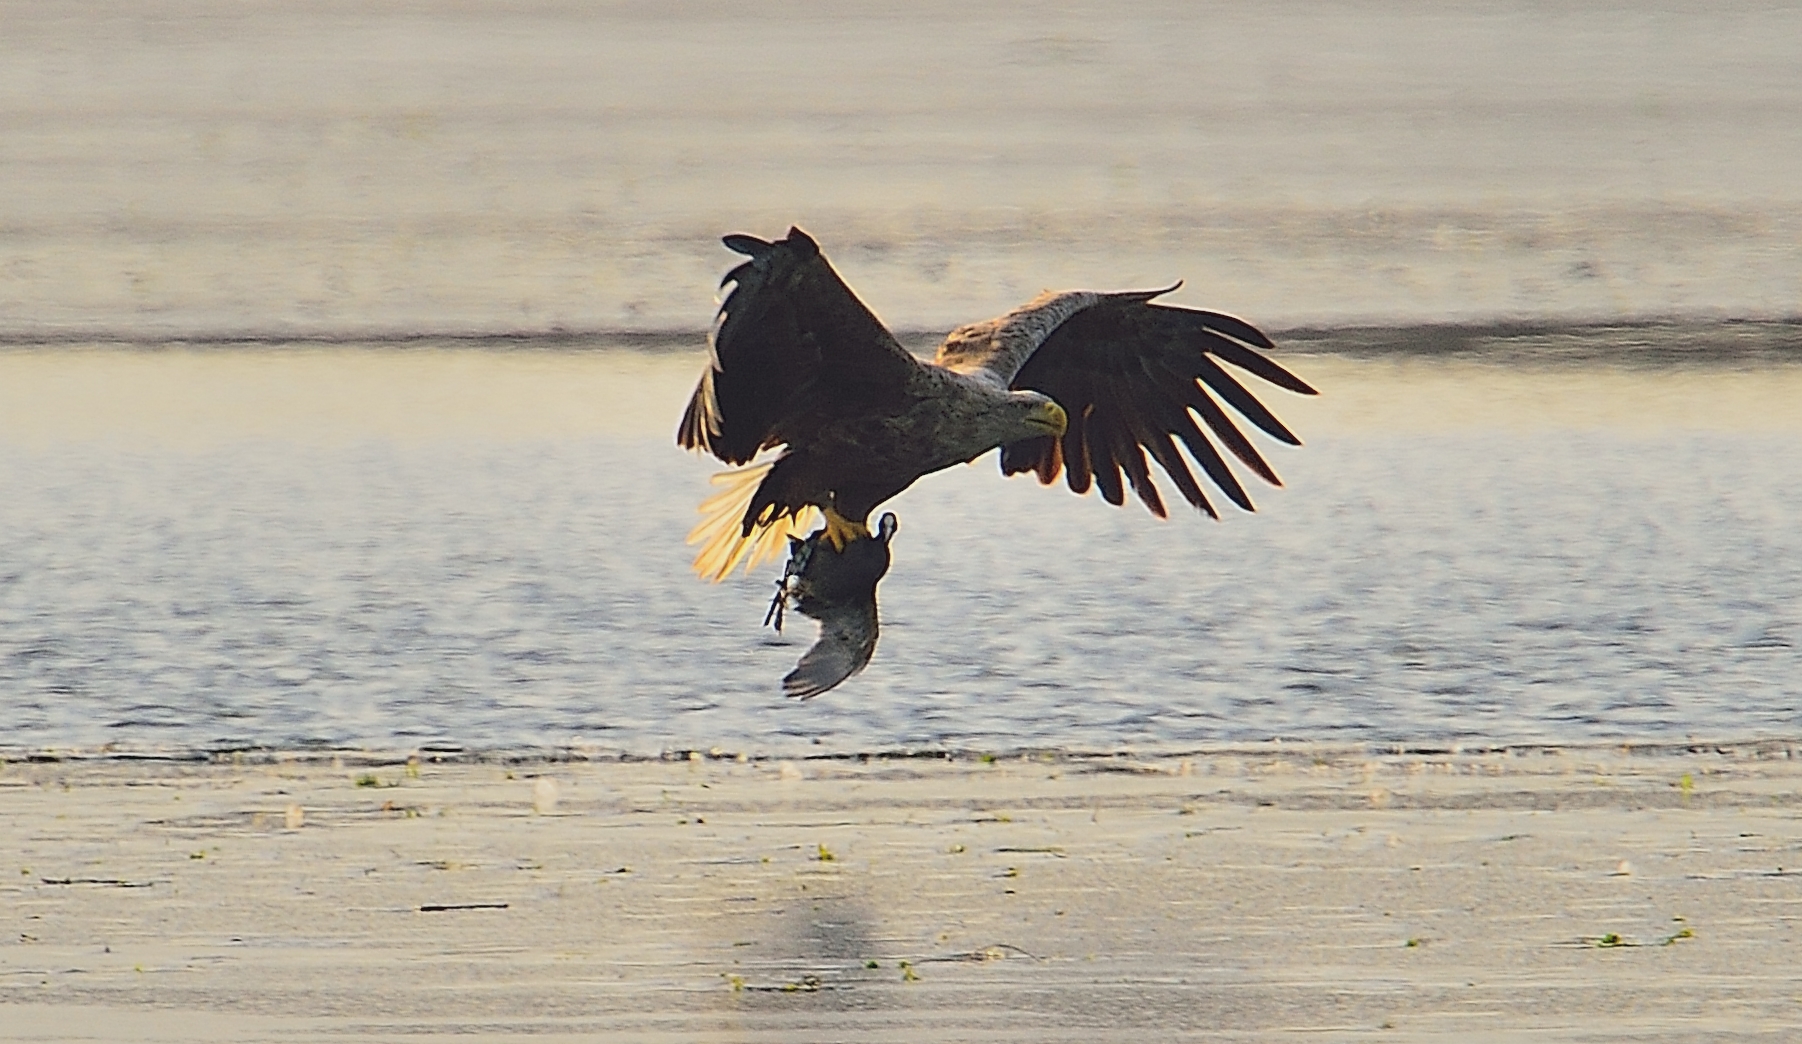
{"points": [[1134, 377], [792, 348]]}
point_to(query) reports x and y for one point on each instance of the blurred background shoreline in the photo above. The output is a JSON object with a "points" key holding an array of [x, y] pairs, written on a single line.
{"points": [[210, 169], [1733, 343]]}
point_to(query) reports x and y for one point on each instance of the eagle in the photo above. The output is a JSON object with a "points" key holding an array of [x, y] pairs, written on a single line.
{"points": [[1083, 383]]}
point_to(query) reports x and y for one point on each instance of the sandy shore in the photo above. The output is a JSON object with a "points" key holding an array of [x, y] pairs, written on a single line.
{"points": [[1261, 893]]}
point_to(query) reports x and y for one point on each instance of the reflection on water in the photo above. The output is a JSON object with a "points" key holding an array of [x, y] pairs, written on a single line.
{"points": [[311, 394], [397, 547]]}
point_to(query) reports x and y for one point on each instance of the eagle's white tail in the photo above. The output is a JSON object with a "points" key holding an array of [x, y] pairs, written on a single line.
{"points": [[720, 531]]}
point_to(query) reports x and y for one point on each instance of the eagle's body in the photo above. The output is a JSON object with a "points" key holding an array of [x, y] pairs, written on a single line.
{"points": [[852, 464], [1083, 381]]}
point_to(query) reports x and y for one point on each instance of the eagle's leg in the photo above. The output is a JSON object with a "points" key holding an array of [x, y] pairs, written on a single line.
{"points": [[841, 530]]}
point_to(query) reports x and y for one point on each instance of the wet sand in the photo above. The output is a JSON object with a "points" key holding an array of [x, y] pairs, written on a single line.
{"points": [[1253, 893]]}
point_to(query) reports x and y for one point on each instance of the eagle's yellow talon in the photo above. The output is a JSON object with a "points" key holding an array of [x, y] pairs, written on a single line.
{"points": [[841, 530]]}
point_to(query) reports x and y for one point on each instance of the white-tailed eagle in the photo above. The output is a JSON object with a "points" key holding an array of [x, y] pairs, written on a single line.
{"points": [[1079, 382]]}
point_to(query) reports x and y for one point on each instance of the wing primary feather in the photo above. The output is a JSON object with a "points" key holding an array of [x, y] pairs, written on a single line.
{"points": [[1051, 461], [801, 241], [1235, 394], [1128, 450], [1164, 450], [737, 275], [1210, 460], [1231, 437], [1101, 458], [1127, 434], [1170, 414], [1022, 456], [1039, 455], [1229, 325], [693, 432], [1253, 363], [700, 421], [1078, 469], [1146, 296], [1187, 393], [750, 246]]}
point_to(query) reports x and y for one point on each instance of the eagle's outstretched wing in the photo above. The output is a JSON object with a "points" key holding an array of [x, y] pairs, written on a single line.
{"points": [[1134, 377], [792, 347]]}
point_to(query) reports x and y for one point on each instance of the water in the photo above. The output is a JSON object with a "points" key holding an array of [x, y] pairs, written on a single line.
{"points": [[420, 489], [390, 548]]}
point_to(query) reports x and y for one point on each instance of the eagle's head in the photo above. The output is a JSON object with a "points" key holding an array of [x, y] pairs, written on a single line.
{"points": [[1036, 414]]}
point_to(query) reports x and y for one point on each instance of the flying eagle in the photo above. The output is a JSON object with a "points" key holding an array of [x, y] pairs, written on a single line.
{"points": [[1078, 382]]}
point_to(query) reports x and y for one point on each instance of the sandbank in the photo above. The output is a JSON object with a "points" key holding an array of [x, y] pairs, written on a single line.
{"points": [[1267, 892]]}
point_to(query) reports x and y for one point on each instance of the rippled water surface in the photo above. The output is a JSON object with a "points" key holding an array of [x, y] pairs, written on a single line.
{"points": [[391, 548], [1573, 517]]}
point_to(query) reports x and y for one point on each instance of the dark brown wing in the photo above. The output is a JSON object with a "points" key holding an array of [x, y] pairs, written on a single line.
{"points": [[791, 348], [1135, 377]]}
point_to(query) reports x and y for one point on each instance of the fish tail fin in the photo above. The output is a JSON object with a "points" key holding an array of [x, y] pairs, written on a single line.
{"points": [[724, 545]]}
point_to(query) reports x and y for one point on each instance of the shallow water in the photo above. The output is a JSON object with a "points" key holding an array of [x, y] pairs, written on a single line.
{"points": [[332, 528], [390, 548]]}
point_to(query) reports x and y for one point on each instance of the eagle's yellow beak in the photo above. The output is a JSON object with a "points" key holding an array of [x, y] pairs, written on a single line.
{"points": [[1051, 417]]}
